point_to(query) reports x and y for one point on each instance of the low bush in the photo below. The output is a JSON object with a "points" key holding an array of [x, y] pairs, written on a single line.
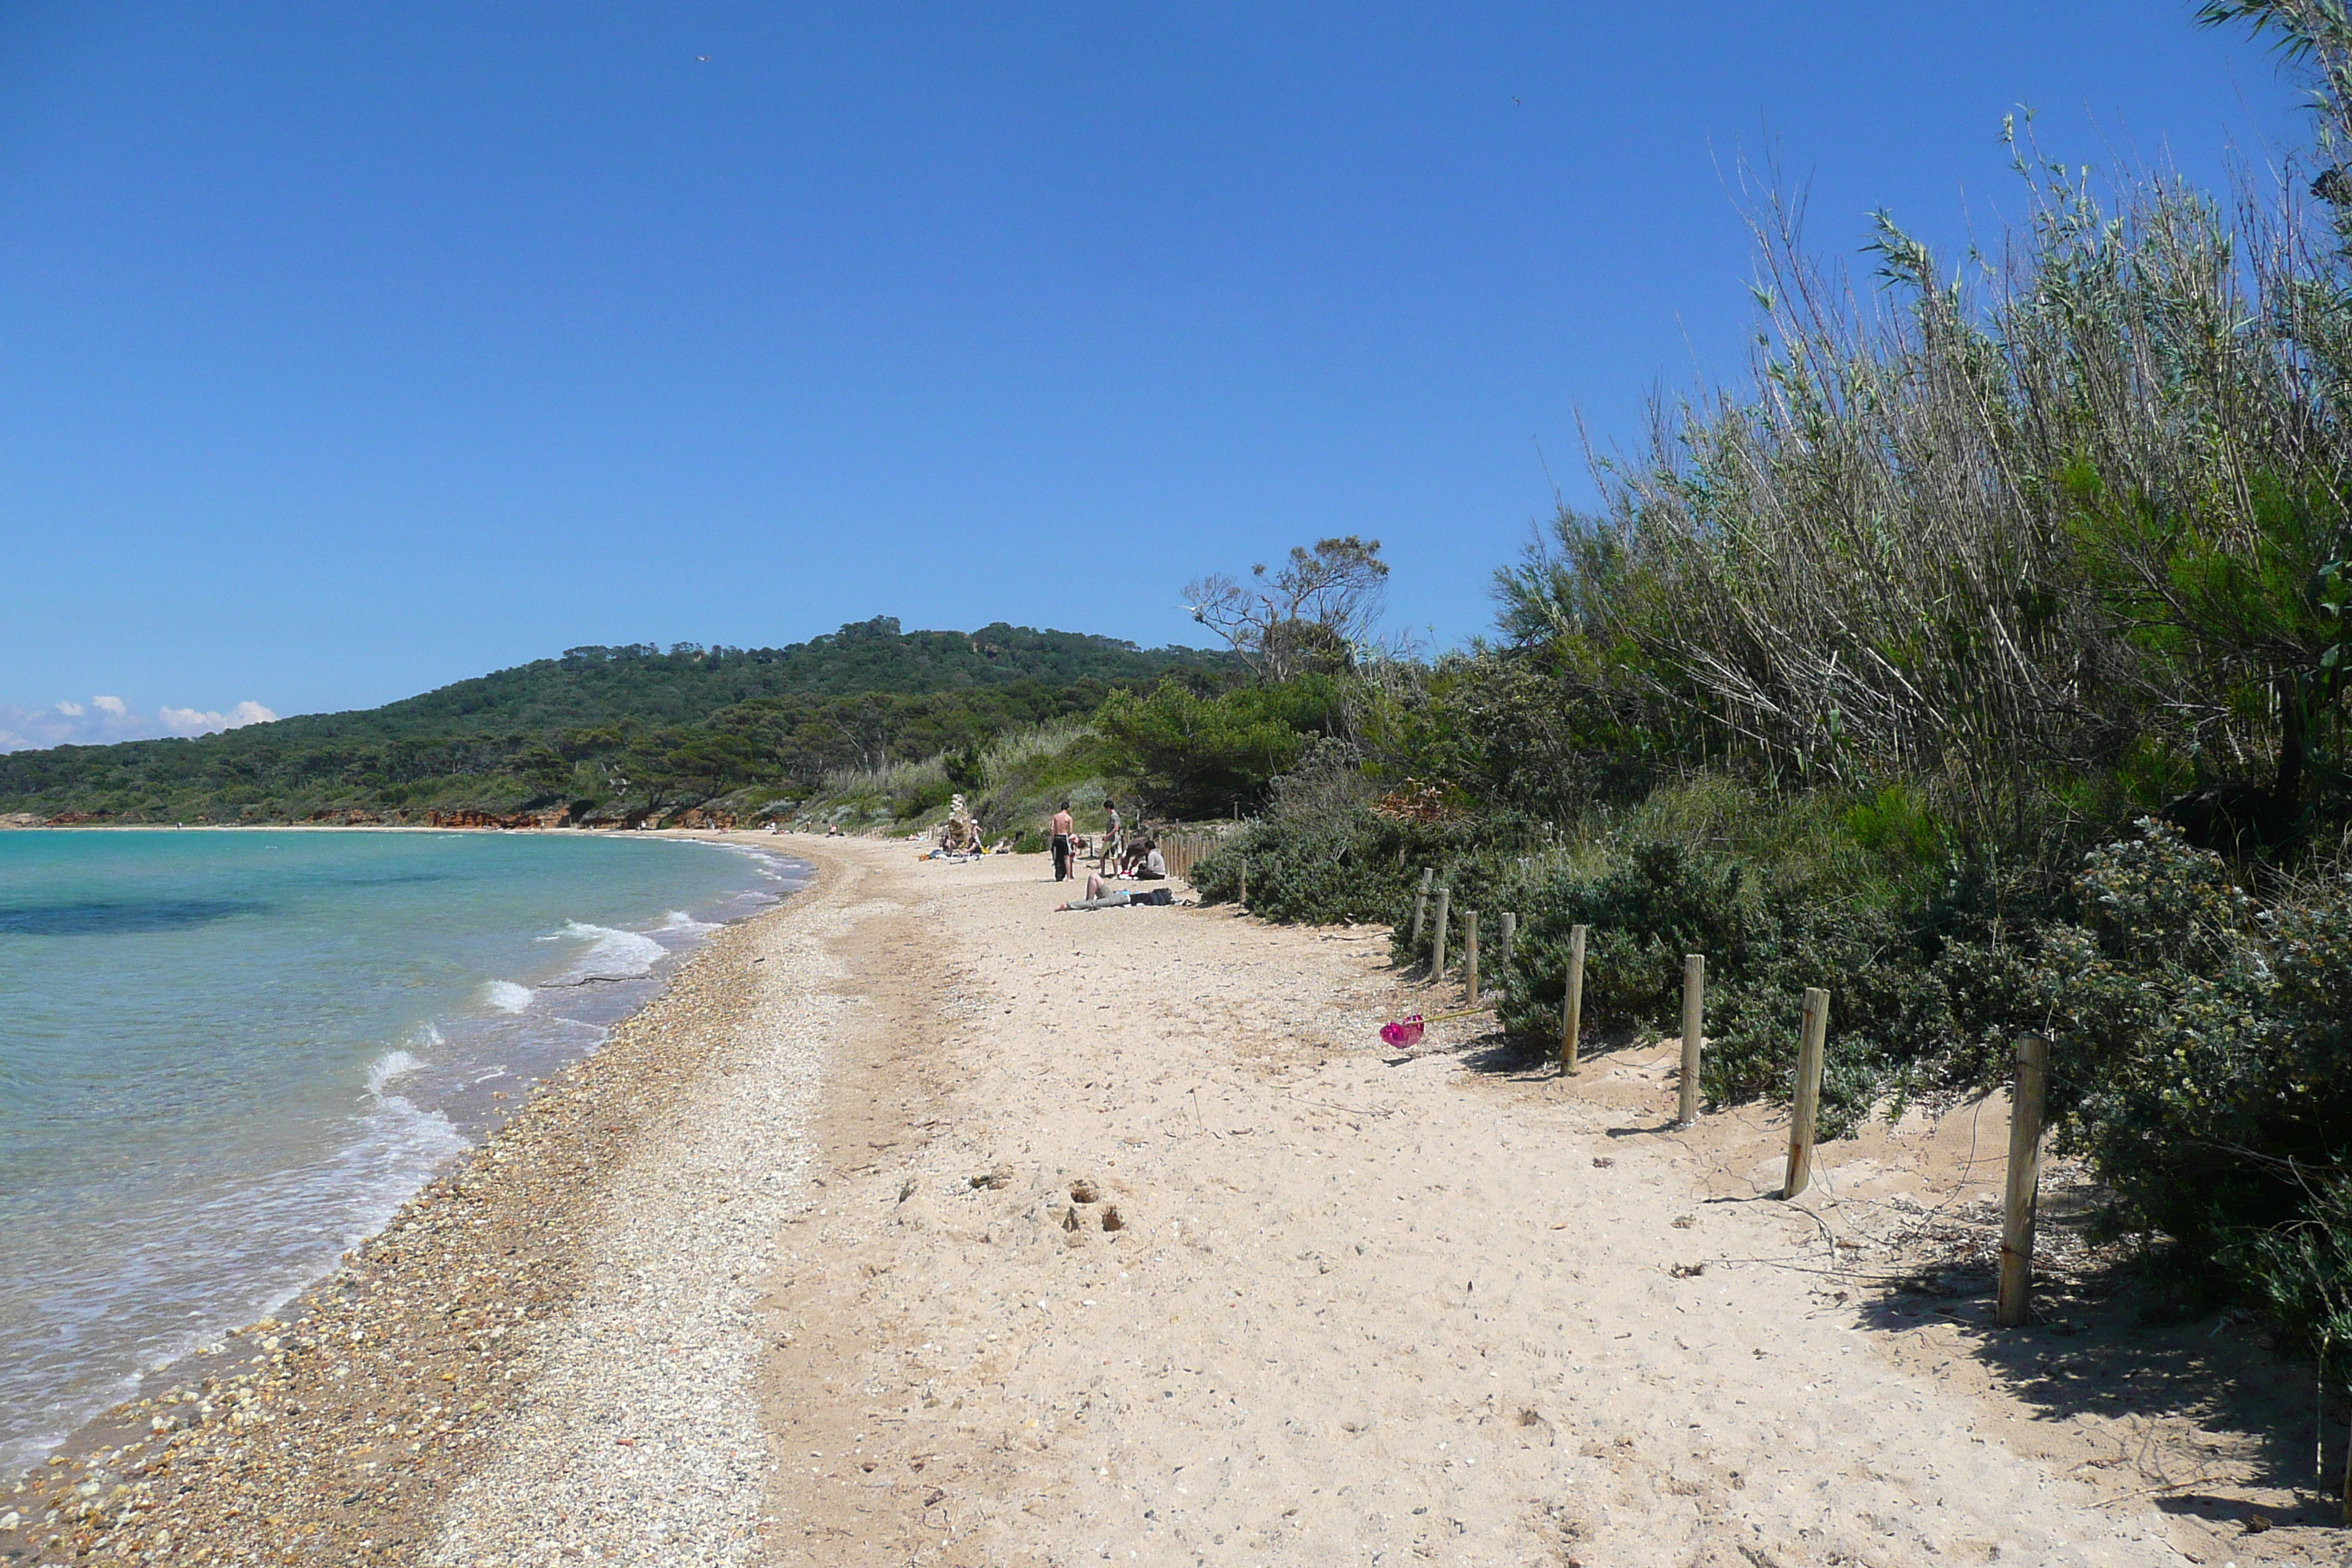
{"points": [[2202, 1062]]}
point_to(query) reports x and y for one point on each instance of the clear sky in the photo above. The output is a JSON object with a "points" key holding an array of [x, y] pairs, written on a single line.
{"points": [[348, 351]]}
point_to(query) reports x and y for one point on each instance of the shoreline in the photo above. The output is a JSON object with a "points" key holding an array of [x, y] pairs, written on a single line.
{"points": [[229, 1385], [914, 1220], [534, 1028]]}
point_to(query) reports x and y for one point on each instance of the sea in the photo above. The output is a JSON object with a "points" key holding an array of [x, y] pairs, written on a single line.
{"points": [[226, 1057]]}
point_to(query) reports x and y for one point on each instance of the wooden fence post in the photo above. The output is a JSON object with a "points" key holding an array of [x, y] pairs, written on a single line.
{"points": [[1243, 897], [1693, 1029], [1470, 956], [1437, 935], [1421, 906], [1571, 1010], [1506, 940], [1805, 1104], [2015, 1307]]}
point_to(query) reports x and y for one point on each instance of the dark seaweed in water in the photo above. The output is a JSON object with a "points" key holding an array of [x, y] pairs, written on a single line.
{"points": [[113, 918]]}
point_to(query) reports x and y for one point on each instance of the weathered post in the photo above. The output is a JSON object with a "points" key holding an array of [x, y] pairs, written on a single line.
{"points": [[1421, 904], [2015, 1305], [1470, 956], [1805, 1104], [1243, 897], [1694, 1023], [1571, 1010], [1504, 941], [1437, 935]]}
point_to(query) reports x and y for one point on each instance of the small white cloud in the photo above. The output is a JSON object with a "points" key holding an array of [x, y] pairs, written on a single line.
{"points": [[109, 719], [196, 721]]}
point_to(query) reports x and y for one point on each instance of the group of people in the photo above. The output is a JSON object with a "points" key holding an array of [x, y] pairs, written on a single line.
{"points": [[1142, 858], [1140, 862], [959, 835]]}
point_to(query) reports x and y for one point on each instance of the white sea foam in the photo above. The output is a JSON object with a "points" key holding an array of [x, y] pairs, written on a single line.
{"points": [[614, 953], [678, 919], [390, 1067], [506, 995], [399, 1147]]}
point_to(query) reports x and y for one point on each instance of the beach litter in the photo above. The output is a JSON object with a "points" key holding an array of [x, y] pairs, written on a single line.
{"points": [[1406, 1032]]}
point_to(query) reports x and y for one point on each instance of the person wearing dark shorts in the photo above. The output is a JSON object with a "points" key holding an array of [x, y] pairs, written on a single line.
{"points": [[1062, 825]]}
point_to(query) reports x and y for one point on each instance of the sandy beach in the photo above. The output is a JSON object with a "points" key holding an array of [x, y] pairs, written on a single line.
{"points": [[914, 1222]]}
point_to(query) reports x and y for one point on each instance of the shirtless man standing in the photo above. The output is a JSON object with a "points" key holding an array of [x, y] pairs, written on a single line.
{"points": [[1061, 843]]}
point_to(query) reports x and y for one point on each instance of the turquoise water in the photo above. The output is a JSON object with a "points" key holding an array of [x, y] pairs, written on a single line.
{"points": [[226, 1057]]}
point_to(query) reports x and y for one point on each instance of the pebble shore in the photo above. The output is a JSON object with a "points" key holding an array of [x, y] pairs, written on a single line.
{"points": [[547, 1337]]}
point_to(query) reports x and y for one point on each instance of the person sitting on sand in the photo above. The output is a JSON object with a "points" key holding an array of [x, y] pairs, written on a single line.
{"points": [[1154, 866]]}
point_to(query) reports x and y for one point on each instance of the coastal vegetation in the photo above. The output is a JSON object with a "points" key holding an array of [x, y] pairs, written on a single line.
{"points": [[1980, 655]]}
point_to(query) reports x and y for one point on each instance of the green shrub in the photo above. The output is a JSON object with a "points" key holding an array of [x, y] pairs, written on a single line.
{"points": [[919, 797], [2201, 1062], [1203, 756]]}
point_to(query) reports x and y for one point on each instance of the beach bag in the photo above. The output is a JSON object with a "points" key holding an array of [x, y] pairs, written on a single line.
{"points": [[1156, 896]]}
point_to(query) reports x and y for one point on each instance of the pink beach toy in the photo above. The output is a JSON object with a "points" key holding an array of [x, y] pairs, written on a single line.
{"points": [[1404, 1032]]}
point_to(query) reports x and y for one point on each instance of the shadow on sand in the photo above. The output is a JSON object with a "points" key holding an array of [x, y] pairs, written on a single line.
{"points": [[2105, 1343]]}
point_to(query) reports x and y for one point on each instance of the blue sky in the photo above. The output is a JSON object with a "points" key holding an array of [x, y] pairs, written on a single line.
{"points": [[345, 351]]}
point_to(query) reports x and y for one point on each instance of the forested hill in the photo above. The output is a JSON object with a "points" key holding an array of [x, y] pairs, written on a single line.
{"points": [[607, 731], [640, 683]]}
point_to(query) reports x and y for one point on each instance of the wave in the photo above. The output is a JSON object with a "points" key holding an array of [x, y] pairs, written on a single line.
{"points": [[613, 954], [389, 1067], [680, 921], [398, 1148], [506, 995]]}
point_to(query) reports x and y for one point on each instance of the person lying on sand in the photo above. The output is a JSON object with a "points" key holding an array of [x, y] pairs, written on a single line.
{"points": [[1100, 898], [1097, 897]]}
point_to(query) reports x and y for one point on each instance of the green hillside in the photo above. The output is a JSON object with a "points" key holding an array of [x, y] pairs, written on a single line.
{"points": [[608, 731]]}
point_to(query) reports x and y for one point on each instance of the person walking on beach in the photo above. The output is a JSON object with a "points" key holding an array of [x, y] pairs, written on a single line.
{"points": [[1061, 843]]}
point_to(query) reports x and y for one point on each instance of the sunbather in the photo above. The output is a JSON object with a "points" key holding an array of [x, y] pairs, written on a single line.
{"points": [[1097, 897]]}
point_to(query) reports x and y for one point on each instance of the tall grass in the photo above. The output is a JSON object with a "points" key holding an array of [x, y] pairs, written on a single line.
{"points": [[888, 780], [1030, 747], [2067, 513]]}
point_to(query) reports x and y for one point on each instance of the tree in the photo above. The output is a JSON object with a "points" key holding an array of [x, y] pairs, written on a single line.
{"points": [[1199, 756], [1310, 615]]}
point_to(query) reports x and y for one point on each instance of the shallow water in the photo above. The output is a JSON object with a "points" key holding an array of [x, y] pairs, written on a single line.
{"points": [[226, 1057]]}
